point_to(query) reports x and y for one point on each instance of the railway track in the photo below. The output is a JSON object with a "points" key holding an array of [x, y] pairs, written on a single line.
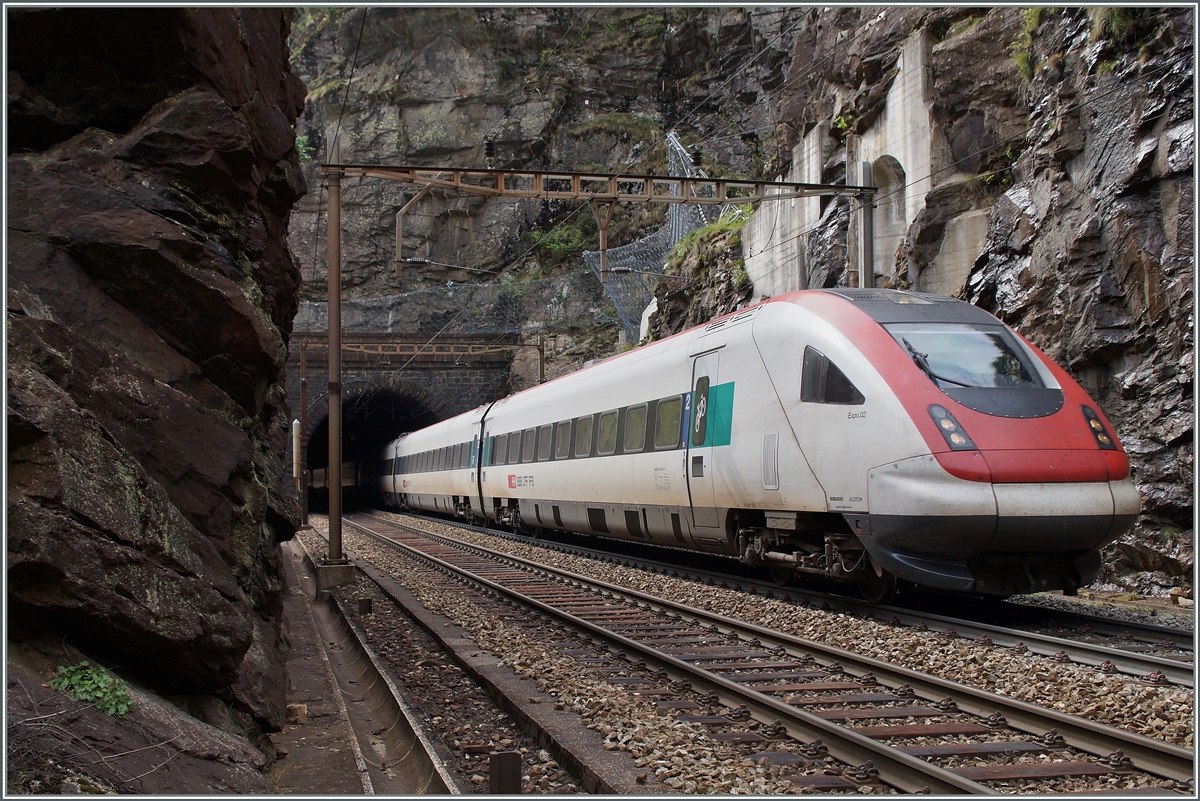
{"points": [[1122, 647], [799, 701]]}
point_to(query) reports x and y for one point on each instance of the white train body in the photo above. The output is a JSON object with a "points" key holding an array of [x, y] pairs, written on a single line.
{"points": [[712, 440]]}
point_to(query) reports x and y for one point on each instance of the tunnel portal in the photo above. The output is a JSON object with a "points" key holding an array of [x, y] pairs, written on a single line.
{"points": [[391, 384]]}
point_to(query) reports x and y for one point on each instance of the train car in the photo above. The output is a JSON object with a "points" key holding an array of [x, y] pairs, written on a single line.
{"points": [[862, 435]]}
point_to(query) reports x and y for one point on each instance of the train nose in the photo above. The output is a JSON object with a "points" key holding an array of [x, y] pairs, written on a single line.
{"points": [[929, 526]]}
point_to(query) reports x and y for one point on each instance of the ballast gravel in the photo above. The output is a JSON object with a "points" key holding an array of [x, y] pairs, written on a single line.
{"points": [[1162, 712], [681, 755]]}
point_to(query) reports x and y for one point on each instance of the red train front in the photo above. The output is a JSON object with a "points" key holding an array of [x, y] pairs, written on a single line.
{"points": [[1020, 479]]}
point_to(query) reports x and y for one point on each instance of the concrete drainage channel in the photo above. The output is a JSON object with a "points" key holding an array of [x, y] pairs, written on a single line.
{"points": [[393, 755]]}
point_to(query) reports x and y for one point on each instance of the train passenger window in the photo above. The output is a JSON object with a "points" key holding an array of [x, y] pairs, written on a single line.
{"points": [[583, 436], [500, 449], [667, 420], [514, 447], [635, 429], [464, 456], [562, 440], [606, 434], [528, 444], [544, 443], [822, 382]]}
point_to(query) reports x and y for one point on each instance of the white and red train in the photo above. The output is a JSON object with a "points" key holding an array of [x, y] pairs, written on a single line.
{"points": [[862, 435]]}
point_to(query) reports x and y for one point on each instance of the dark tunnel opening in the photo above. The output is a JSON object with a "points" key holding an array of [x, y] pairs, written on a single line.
{"points": [[369, 421]]}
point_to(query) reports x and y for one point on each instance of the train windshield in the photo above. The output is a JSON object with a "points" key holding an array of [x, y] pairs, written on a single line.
{"points": [[963, 355]]}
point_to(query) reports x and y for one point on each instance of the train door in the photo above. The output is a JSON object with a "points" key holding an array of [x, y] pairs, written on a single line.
{"points": [[700, 465]]}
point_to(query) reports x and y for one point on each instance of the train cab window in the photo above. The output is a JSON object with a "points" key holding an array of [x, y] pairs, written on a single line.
{"points": [[667, 420], [528, 448], [822, 382], [544, 443], [500, 449], [606, 434], [962, 355], [562, 440], [583, 436], [471, 456], [635, 429]]}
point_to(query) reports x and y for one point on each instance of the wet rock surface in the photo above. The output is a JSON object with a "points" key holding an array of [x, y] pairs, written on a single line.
{"points": [[150, 297], [1090, 255]]}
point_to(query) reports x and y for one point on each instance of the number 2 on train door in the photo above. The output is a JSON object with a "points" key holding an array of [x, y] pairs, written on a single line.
{"points": [[700, 454]]}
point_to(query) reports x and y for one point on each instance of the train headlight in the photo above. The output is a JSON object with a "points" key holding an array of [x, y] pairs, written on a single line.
{"points": [[1103, 438], [952, 430]]}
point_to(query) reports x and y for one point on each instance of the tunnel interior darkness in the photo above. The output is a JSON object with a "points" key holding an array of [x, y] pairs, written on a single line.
{"points": [[369, 421]]}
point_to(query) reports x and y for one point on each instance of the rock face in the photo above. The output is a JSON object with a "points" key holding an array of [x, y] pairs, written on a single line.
{"points": [[1061, 153], [152, 168], [1090, 253], [588, 89], [1070, 136]]}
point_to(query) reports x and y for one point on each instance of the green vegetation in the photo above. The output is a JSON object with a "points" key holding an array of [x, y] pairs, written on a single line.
{"points": [[304, 149], [1117, 24], [698, 241], [844, 122], [741, 278], [508, 67], [626, 127], [562, 246], [963, 25], [1021, 48], [92, 685]]}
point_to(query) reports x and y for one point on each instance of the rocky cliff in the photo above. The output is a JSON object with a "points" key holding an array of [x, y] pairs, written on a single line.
{"points": [[565, 88], [152, 168], [1064, 137], [1071, 133], [1090, 251]]}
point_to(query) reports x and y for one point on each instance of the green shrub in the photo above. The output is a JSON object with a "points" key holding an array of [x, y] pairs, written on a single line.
{"points": [[92, 685]]}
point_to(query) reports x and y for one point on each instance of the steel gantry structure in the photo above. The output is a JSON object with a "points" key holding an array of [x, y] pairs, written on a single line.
{"points": [[601, 191]]}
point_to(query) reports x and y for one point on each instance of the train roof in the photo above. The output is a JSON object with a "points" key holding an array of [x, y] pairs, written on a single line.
{"points": [[895, 306]]}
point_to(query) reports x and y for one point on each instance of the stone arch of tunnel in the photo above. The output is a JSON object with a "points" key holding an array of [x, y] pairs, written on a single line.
{"points": [[372, 416]]}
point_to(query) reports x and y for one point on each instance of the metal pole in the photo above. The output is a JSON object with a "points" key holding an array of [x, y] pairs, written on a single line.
{"points": [[303, 432], [334, 469], [541, 346], [866, 275]]}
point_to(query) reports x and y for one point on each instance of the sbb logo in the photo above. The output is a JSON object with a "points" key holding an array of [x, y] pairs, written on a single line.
{"points": [[512, 481]]}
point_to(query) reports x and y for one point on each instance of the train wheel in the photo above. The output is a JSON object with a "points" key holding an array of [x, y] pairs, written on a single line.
{"points": [[782, 575], [878, 589]]}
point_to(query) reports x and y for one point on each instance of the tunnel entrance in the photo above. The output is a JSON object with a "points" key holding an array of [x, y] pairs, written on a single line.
{"points": [[370, 419]]}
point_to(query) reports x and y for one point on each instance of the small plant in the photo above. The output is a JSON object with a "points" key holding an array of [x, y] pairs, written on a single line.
{"points": [[1113, 23], [741, 278], [92, 685], [1021, 49], [304, 149]]}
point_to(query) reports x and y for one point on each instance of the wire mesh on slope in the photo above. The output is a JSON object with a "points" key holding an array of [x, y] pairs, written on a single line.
{"points": [[630, 284]]}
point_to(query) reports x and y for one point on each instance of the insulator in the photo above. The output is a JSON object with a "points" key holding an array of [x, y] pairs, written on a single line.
{"points": [[696, 158], [489, 149]]}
